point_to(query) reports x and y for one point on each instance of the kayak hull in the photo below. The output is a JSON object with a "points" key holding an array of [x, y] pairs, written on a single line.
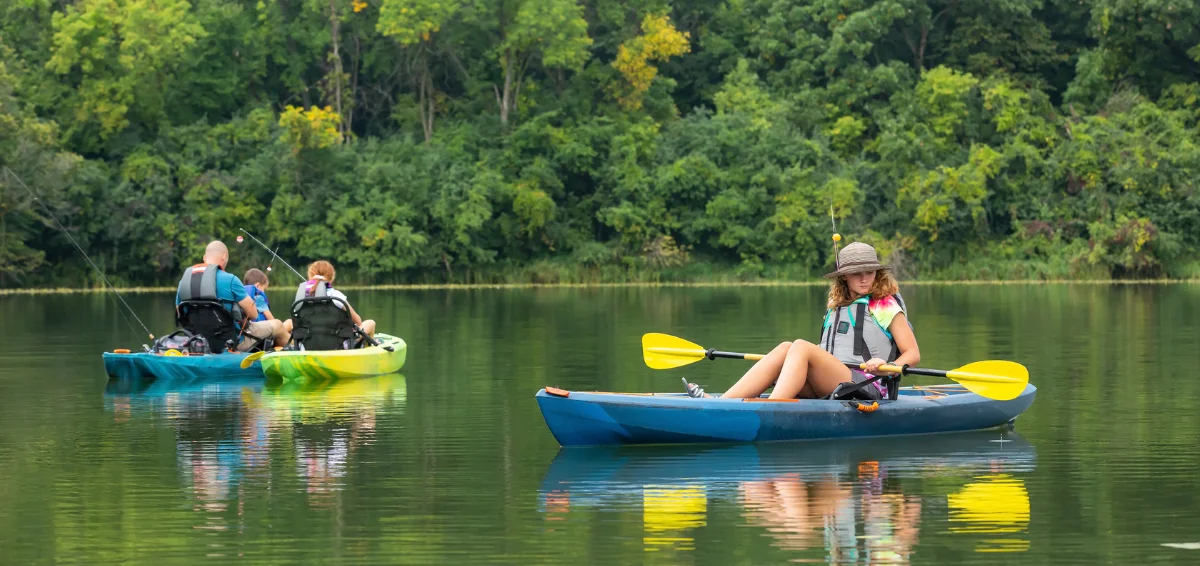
{"points": [[594, 419], [145, 365], [337, 364]]}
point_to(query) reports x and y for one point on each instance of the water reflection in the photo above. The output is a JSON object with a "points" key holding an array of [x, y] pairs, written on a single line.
{"points": [[993, 504], [847, 502], [235, 435]]}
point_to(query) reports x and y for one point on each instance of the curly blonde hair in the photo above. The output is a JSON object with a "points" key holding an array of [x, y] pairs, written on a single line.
{"points": [[884, 286]]}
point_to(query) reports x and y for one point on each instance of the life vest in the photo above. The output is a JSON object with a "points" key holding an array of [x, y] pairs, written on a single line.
{"points": [[853, 335], [254, 293], [199, 283], [313, 288]]}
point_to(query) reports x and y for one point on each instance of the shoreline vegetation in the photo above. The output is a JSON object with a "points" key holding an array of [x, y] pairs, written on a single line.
{"points": [[615, 141], [661, 284]]}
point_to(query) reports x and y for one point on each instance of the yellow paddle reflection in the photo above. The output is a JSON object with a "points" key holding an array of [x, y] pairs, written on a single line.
{"points": [[669, 512], [992, 505]]}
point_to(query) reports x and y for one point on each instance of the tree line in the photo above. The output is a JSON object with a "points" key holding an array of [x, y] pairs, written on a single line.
{"points": [[601, 140]]}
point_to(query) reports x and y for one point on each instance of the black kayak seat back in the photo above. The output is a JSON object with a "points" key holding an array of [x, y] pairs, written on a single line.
{"points": [[322, 323], [209, 319], [201, 311]]}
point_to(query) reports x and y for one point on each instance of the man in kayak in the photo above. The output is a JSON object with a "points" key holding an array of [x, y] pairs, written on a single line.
{"points": [[210, 281], [866, 322]]}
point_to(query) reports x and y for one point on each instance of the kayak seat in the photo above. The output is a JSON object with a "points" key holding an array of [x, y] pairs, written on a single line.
{"points": [[322, 323], [209, 319], [865, 391]]}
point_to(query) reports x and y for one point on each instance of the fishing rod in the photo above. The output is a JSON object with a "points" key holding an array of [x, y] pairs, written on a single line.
{"points": [[369, 339], [81, 252], [276, 256]]}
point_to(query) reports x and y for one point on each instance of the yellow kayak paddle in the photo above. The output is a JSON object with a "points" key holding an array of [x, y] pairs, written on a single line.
{"points": [[249, 360], [995, 379]]}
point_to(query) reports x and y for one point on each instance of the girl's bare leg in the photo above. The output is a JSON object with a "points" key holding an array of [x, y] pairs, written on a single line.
{"points": [[761, 376], [808, 365]]}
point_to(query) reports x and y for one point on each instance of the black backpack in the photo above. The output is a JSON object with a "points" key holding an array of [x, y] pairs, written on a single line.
{"points": [[182, 341]]}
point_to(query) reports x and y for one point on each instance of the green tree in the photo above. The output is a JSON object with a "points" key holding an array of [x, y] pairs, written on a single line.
{"points": [[119, 55]]}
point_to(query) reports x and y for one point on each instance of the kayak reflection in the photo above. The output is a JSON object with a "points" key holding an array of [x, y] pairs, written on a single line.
{"points": [[233, 434], [851, 502]]}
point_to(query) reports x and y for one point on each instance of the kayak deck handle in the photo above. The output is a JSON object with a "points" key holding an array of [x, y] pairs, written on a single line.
{"points": [[865, 408]]}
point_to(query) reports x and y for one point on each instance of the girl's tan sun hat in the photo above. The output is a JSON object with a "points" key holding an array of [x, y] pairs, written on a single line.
{"points": [[857, 258]]}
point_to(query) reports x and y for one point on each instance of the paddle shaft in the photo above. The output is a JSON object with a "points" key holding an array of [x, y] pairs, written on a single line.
{"points": [[714, 354], [902, 370]]}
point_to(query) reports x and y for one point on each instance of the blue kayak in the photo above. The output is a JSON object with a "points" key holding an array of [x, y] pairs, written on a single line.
{"points": [[159, 366], [592, 418]]}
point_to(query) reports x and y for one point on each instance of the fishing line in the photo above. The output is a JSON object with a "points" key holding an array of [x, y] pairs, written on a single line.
{"points": [[836, 237], [84, 254], [276, 256]]}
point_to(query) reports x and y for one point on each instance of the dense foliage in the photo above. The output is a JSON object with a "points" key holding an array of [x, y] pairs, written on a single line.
{"points": [[547, 140]]}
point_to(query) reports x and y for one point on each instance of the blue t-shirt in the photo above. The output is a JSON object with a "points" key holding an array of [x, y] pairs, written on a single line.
{"points": [[260, 301], [229, 289]]}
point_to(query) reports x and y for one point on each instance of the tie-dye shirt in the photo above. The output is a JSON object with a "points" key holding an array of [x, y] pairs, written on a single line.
{"points": [[884, 310]]}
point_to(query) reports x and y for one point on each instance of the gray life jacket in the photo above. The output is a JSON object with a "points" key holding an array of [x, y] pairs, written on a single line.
{"points": [[199, 283], [312, 288], [853, 335]]}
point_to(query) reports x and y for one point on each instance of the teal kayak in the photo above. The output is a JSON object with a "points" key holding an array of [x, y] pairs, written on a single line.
{"points": [[159, 366]]}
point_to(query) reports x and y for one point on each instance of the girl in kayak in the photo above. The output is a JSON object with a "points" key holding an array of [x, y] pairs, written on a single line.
{"points": [[866, 323], [322, 270]]}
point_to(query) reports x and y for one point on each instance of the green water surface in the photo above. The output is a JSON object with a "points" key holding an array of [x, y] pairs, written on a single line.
{"points": [[451, 462]]}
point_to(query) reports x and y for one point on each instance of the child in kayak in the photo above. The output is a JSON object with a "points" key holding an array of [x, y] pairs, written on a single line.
{"points": [[256, 284], [865, 323], [322, 270]]}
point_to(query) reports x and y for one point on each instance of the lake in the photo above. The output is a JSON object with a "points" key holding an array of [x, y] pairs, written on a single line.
{"points": [[450, 461]]}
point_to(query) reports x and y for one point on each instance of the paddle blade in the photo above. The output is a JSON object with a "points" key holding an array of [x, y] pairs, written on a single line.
{"points": [[995, 379], [249, 360], [663, 351]]}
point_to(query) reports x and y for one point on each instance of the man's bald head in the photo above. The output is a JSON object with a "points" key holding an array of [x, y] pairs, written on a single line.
{"points": [[216, 253]]}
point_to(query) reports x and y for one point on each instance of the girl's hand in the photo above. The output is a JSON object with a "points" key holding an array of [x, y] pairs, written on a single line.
{"points": [[872, 366]]}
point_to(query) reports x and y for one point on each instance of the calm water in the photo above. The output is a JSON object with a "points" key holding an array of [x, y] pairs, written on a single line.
{"points": [[451, 462]]}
